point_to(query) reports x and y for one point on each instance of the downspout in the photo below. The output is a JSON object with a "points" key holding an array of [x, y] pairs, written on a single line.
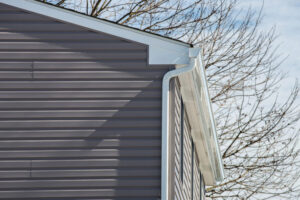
{"points": [[193, 54]]}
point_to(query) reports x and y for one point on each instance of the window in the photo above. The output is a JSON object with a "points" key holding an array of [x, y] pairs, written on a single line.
{"points": [[181, 140], [192, 174]]}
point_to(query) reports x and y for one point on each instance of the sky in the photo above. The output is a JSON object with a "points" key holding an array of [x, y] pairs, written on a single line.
{"points": [[285, 16]]}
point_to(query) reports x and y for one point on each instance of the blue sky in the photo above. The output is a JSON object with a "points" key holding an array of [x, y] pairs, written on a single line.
{"points": [[285, 16]]}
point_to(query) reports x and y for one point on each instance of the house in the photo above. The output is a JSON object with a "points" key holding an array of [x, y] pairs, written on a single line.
{"points": [[90, 109]]}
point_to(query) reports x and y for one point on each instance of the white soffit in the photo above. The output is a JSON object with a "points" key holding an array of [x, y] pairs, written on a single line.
{"points": [[161, 50]]}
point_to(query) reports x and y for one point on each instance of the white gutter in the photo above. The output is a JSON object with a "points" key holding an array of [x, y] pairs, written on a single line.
{"points": [[193, 54]]}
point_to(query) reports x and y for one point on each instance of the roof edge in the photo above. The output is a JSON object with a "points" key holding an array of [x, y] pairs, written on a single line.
{"points": [[162, 50], [112, 22]]}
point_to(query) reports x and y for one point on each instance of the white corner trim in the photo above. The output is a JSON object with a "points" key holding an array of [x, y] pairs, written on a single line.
{"points": [[161, 50]]}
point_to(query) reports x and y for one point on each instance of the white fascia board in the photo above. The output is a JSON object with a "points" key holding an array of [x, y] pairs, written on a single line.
{"points": [[161, 50]]}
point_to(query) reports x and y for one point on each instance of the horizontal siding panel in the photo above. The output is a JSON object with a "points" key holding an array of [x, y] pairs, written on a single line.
{"points": [[55, 35], [83, 104], [79, 94], [15, 75], [103, 193], [76, 134], [79, 84], [65, 75], [88, 143], [25, 124], [29, 46], [80, 153], [4, 7], [40, 27], [79, 183], [15, 65], [138, 55], [98, 75], [82, 163], [79, 114], [21, 16], [103, 64], [80, 173], [82, 65]]}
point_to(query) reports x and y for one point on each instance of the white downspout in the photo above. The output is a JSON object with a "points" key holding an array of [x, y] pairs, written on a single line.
{"points": [[193, 54]]}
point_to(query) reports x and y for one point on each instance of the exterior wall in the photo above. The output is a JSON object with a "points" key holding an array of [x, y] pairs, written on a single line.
{"points": [[80, 113], [183, 189]]}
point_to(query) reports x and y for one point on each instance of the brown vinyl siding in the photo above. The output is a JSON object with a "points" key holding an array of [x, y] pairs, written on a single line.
{"points": [[80, 112]]}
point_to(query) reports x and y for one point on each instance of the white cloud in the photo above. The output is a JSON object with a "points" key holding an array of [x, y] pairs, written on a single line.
{"points": [[285, 16]]}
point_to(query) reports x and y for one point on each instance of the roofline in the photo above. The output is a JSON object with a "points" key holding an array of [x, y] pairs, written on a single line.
{"points": [[162, 50], [126, 26]]}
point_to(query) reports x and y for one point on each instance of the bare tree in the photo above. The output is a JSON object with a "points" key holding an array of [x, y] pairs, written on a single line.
{"points": [[257, 132]]}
